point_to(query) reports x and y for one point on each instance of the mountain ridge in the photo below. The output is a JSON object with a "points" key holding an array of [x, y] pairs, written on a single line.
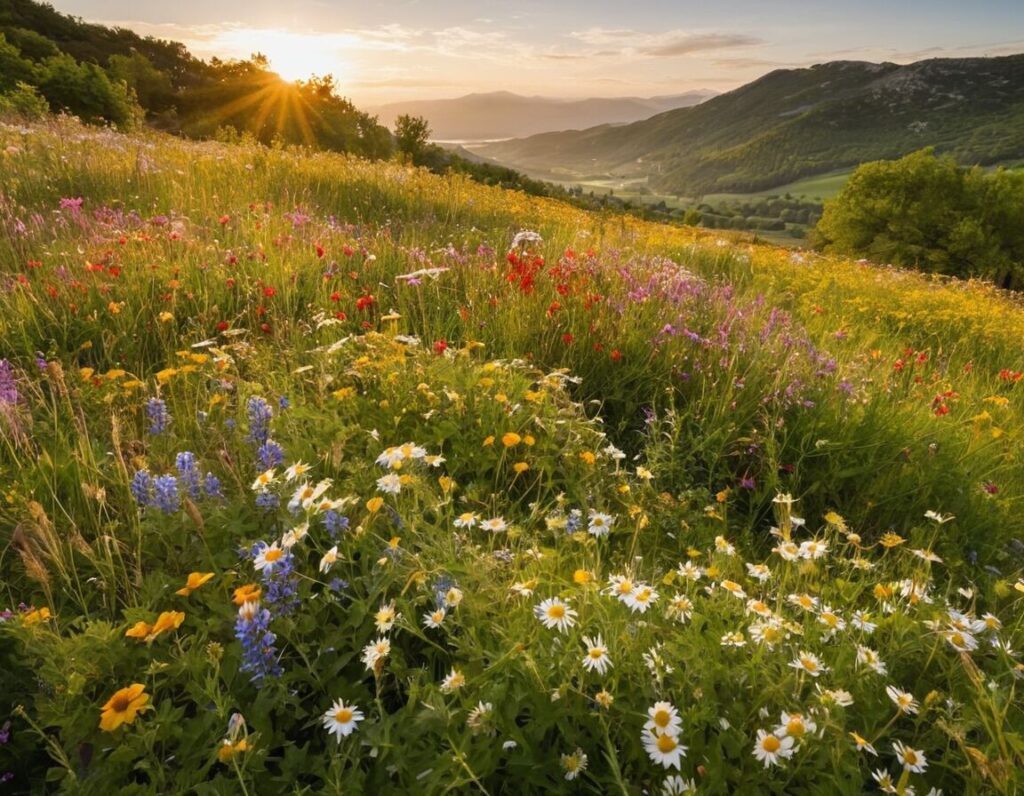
{"points": [[794, 123], [505, 114]]}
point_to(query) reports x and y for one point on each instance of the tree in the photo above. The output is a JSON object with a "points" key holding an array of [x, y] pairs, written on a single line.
{"points": [[411, 135], [926, 212]]}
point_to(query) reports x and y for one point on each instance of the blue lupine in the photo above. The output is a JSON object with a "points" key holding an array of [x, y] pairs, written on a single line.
{"points": [[8, 386], [335, 523], [575, 520], [212, 487], [159, 417], [259, 414], [270, 454], [267, 500], [165, 494], [142, 488], [185, 463], [281, 592], [441, 587], [259, 656], [283, 402]]}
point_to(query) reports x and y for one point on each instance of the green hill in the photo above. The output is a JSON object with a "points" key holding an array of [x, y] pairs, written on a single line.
{"points": [[794, 123]]}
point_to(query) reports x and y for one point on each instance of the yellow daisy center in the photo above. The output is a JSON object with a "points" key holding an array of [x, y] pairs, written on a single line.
{"points": [[666, 743], [662, 718], [556, 612], [596, 653], [771, 744], [272, 555], [795, 727], [343, 716]]}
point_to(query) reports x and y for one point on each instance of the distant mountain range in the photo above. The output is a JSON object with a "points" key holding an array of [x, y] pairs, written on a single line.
{"points": [[795, 123], [502, 114]]}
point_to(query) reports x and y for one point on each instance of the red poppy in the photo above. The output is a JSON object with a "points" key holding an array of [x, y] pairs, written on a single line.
{"points": [[440, 346], [269, 291]]}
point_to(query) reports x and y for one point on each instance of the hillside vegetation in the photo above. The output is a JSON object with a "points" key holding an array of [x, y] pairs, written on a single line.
{"points": [[329, 475], [794, 123]]}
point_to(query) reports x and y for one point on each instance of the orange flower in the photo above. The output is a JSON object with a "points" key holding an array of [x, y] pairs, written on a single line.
{"points": [[374, 504], [195, 580], [228, 750], [249, 593], [37, 616], [123, 707], [139, 630], [510, 439], [168, 620]]}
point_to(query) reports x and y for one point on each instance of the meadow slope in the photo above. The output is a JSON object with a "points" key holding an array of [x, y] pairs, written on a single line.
{"points": [[339, 476]]}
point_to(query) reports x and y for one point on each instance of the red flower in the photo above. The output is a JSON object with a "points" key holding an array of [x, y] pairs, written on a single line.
{"points": [[230, 281], [224, 219], [616, 355], [223, 326], [335, 296], [341, 316], [319, 250], [567, 338], [990, 488], [269, 291], [348, 251], [553, 307], [440, 346], [364, 302], [265, 328]]}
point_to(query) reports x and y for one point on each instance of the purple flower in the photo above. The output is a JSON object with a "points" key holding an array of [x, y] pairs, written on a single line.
{"points": [[259, 656], [142, 488], [748, 483], [259, 414], [159, 417], [165, 494], [8, 385], [185, 463], [270, 454], [335, 523]]}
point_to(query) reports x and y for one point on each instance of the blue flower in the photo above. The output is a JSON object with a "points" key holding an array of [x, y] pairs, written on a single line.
{"points": [[165, 494], [270, 454], [259, 414], [259, 656], [142, 488], [159, 417]]}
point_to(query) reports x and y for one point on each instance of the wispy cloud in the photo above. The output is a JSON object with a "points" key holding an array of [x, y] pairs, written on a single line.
{"points": [[668, 44]]}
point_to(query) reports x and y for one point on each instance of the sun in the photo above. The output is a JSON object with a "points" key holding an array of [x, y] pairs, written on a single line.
{"points": [[297, 56]]}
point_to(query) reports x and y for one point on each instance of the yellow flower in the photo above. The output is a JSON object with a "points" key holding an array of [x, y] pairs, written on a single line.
{"points": [[228, 750], [123, 707], [165, 375], [86, 373], [581, 577], [722, 496], [891, 539], [530, 440], [139, 630], [373, 504], [195, 580], [166, 316], [37, 616], [343, 393], [587, 457], [488, 441], [114, 307], [520, 467], [510, 439], [168, 620], [248, 593], [445, 483]]}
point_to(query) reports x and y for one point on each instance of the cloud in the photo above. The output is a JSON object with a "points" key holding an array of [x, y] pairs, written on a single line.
{"points": [[687, 44], [669, 44]]}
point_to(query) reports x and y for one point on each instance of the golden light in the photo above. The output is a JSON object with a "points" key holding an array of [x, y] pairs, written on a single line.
{"points": [[294, 56]]}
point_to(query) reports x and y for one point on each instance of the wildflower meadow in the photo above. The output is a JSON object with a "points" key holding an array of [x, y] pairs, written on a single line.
{"points": [[327, 476]]}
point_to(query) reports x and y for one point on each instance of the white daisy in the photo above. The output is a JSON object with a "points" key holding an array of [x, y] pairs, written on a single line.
{"points": [[375, 652], [596, 658], [663, 718], [808, 663], [466, 520], [341, 719], [453, 682], [770, 749], [494, 524], [642, 598], [329, 558], [574, 764], [664, 749], [434, 619], [600, 524], [390, 483], [554, 613], [911, 759], [268, 557], [904, 700]]}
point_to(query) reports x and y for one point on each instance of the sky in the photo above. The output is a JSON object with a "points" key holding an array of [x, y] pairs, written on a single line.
{"points": [[382, 51]]}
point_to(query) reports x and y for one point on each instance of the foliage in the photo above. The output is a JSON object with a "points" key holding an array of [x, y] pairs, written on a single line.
{"points": [[411, 135], [927, 212], [407, 392]]}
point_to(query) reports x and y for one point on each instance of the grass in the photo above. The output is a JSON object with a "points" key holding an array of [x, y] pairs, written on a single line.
{"points": [[445, 472]]}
